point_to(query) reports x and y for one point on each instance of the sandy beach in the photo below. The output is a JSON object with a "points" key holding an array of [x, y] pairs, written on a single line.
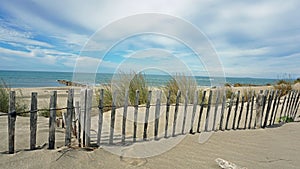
{"points": [[273, 147]]}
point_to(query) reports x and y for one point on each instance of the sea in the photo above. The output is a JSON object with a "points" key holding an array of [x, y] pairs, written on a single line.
{"points": [[30, 79]]}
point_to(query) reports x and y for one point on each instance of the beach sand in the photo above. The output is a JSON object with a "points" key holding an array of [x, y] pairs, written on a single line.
{"points": [[275, 147]]}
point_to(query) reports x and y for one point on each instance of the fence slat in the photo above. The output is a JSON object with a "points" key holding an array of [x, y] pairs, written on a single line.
{"points": [[241, 112], [69, 117], [157, 114], [201, 111], [265, 97], [251, 110], [100, 118], [176, 112], [11, 122], [88, 117], [216, 110], [270, 99], [186, 100], [259, 109], [236, 109], [287, 106], [195, 103], [112, 118], [53, 102], [208, 110], [291, 103], [147, 115], [83, 105], [229, 111], [273, 108], [136, 108], [77, 111], [247, 111], [167, 113], [295, 107], [124, 117], [282, 107], [222, 112], [277, 106], [33, 120]]}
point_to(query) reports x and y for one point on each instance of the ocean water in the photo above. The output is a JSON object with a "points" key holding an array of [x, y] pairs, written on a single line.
{"points": [[26, 79]]}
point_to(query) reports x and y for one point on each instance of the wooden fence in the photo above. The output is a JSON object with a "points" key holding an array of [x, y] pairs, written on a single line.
{"points": [[211, 112]]}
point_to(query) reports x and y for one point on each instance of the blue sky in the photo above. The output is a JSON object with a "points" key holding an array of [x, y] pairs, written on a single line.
{"points": [[252, 38]]}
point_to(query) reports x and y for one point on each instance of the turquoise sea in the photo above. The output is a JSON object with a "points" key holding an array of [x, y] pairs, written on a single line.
{"points": [[25, 79]]}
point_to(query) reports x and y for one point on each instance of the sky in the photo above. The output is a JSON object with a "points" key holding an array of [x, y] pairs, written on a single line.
{"points": [[252, 38]]}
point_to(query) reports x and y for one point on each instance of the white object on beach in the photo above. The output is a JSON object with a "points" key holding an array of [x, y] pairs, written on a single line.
{"points": [[227, 164]]}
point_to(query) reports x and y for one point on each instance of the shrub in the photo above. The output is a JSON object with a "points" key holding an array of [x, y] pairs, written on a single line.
{"points": [[284, 86], [297, 80]]}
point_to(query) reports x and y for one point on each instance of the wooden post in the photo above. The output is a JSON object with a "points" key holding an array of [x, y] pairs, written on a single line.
{"points": [[69, 117], [291, 103], [294, 110], [186, 100], [264, 105], [112, 118], [77, 111], [136, 108], [222, 112], [273, 108], [241, 112], [167, 113], [33, 120], [124, 117], [147, 115], [236, 109], [176, 112], [88, 117], [216, 110], [287, 106], [201, 111], [259, 102], [251, 110], [247, 112], [229, 111], [11, 122], [268, 109], [53, 102], [208, 110], [157, 115], [195, 103], [100, 118], [276, 109], [83, 106], [282, 107]]}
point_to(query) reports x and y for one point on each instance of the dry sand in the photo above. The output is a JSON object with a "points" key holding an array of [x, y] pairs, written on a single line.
{"points": [[276, 147]]}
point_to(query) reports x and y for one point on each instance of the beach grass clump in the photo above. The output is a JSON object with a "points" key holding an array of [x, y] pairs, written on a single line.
{"points": [[184, 84], [121, 83], [4, 99], [284, 86]]}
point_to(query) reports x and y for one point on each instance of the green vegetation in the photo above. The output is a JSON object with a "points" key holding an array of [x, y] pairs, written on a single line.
{"points": [[297, 80], [4, 99], [182, 83], [285, 119]]}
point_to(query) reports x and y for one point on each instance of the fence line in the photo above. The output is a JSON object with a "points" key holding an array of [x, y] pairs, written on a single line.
{"points": [[266, 111]]}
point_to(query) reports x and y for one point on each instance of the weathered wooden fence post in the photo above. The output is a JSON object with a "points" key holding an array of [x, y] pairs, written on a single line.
{"points": [[282, 108], [83, 106], [201, 111], [229, 111], [100, 118], [112, 118], [53, 102], [251, 110], [136, 109], [195, 103], [264, 124], [247, 111], [70, 108], [176, 112], [277, 106], [167, 113], [78, 112], [157, 114], [33, 120], [273, 108], [208, 110], [236, 109], [241, 112], [88, 117], [11, 122], [222, 112], [147, 115], [186, 100], [259, 109], [124, 118], [216, 110]]}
